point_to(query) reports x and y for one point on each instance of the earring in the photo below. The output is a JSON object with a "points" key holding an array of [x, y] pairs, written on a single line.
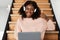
{"points": [[35, 10], [24, 8]]}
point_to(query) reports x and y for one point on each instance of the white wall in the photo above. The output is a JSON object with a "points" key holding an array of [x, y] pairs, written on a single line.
{"points": [[4, 13], [5, 3], [56, 8]]}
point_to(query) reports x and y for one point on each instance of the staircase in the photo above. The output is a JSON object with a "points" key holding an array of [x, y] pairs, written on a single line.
{"points": [[44, 5]]}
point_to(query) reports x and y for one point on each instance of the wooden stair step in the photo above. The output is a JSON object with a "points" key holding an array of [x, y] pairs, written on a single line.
{"points": [[20, 1], [41, 5], [12, 25], [12, 32], [48, 12], [10, 35], [45, 11], [40, 1], [15, 12], [17, 9], [37, 3], [50, 35], [14, 17]]}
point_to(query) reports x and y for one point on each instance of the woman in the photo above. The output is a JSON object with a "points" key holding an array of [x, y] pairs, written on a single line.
{"points": [[30, 20]]}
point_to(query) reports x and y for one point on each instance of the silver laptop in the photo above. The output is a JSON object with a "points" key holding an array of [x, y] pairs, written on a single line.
{"points": [[29, 36]]}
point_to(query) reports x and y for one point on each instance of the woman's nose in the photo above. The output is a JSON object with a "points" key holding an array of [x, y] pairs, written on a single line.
{"points": [[30, 10]]}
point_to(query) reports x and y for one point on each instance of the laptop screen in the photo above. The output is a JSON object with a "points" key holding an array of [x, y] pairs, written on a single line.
{"points": [[29, 36]]}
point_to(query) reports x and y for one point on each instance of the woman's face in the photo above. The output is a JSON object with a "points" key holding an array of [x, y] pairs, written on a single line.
{"points": [[29, 11]]}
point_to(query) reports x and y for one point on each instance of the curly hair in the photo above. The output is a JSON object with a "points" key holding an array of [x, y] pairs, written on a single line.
{"points": [[35, 14]]}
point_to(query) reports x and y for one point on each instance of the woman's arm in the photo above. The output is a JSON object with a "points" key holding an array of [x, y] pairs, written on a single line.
{"points": [[17, 29], [44, 28], [50, 25]]}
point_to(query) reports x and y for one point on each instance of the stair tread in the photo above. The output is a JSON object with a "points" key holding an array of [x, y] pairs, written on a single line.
{"points": [[20, 15], [47, 5], [16, 9], [15, 15], [37, 3], [9, 31], [46, 31], [33, 0]]}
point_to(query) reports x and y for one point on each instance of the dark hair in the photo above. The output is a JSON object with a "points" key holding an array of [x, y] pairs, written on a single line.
{"points": [[34, 4]]}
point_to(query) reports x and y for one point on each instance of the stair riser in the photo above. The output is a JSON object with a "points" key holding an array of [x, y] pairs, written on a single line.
{"points": [[18, 5], [41, 1]]}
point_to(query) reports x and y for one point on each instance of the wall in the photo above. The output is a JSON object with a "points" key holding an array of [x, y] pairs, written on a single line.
{"points": [[4, 13], [56, 8]]}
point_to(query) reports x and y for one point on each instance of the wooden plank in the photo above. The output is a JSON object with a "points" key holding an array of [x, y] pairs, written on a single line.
{"points": [[45, 10], [38, 1], [48, 12], [15, 12], [17, 9], [19, 1], [50, 35], [10, 35], [41, 1], [12, 26], [14, 17], [41, 5]]}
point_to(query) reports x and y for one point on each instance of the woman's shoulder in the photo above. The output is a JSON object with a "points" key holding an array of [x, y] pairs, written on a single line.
{"points": [[41, 19]]}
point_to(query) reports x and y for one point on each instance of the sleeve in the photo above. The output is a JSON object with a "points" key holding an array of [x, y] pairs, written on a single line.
{"points": [[47, 26], [50, 25], [42, 35], [44, 28], [17, 29]]}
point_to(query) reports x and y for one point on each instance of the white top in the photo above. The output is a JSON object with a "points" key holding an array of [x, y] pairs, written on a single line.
{"points": [[30, 25]]}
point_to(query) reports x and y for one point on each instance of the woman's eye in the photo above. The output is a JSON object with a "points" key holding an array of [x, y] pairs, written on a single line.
{"points": [[27, 8]]}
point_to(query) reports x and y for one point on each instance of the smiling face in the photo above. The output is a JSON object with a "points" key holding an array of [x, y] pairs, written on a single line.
{"points": [[29, 10]]}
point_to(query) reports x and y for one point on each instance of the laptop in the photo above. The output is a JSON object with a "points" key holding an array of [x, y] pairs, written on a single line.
{"points": [[29, 36]]}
